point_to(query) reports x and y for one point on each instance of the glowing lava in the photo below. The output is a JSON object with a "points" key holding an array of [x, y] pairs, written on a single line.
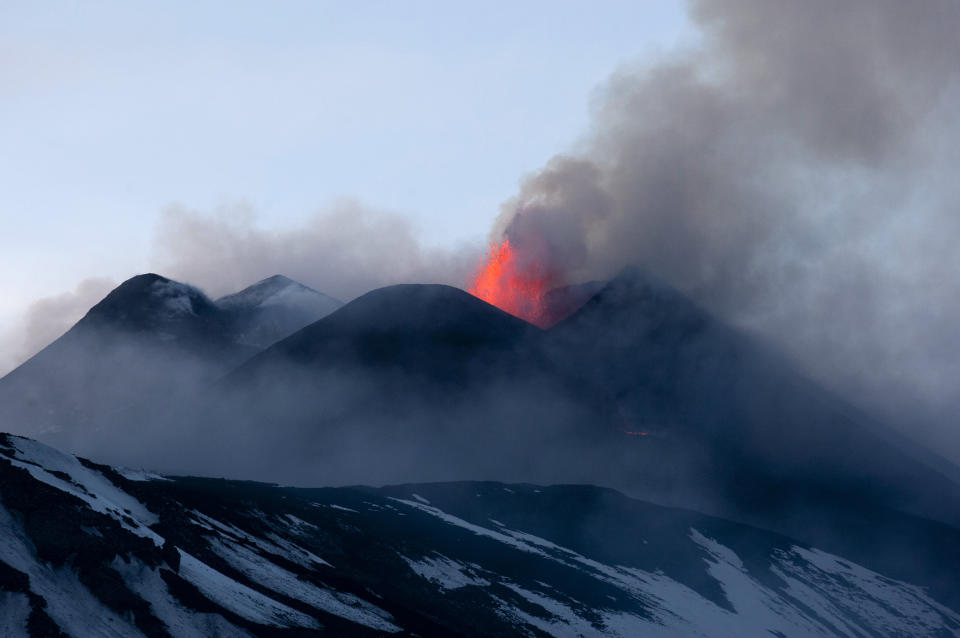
{"points": [[502, 281]]}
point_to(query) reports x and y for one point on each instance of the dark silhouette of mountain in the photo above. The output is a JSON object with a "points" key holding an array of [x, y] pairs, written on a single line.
{"points": [[274, 308], [417, 381], [438, 336], [640, 389], [148, 343], [408, 324], [560, 303], [91, 550], [166, 309], [729, 417]]}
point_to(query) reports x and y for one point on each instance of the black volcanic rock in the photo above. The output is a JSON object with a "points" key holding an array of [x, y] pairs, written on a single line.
{"points": [[154, 304], [405, 325], [418, 311]]}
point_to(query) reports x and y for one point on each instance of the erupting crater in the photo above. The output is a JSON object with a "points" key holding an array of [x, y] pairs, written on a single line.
{"points": [[519, 288]]}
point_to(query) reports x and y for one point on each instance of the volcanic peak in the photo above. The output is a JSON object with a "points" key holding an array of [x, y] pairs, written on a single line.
{"points": [[141, 301], [274, 290]]}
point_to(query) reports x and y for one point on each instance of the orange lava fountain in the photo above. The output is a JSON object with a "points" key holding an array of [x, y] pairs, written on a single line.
{"points": [[501, 281]]}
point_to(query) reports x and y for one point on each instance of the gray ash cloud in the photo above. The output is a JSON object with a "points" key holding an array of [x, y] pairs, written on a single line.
{"points": [[792, 172], [344, 250]]}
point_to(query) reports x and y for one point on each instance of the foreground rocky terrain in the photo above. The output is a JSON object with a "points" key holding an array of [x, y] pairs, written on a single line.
{"points": [[90, 550]]}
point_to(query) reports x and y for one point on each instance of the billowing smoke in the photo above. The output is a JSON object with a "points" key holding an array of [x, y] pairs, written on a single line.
{"points": [[343, 251], [49, 317], [793, 173]]}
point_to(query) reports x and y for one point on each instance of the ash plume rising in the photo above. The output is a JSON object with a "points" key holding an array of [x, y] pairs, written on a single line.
{"points": [[791, 172], [344, 250]]}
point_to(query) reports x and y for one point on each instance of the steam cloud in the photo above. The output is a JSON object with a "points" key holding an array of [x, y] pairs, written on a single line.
{"points": [[793, 174], [48, 318], [344, 251]]}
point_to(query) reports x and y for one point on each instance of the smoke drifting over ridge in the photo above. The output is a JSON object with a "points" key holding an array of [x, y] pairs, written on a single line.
{"points": [[791, 173], [343, 251], [48, 318]]}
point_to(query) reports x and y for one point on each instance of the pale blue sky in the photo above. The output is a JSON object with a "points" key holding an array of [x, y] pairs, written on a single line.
{"points": [[111, 111]]}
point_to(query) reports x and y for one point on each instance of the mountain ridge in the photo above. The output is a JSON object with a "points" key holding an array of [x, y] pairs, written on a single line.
{"points": [[147, 342], [142, 554], [274, 308], [640, 389]]}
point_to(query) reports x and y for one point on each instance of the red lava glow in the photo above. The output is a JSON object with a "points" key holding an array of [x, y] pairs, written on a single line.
{"points": [[502, 282], [634, 433]]}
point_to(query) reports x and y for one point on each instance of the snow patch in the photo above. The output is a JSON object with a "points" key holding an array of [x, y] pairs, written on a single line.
{"points": [[49, 466], [69, 603], [180, 621], [445, 572], [14, 610], [842, 590], [273, 544], [476, 529], [341, 508], [239, 598], [823, 595], [140, 475], [268, 574]]}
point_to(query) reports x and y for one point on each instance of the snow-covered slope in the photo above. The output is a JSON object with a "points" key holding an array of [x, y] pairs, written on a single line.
{"points": [[274, 308], [94, 551]]}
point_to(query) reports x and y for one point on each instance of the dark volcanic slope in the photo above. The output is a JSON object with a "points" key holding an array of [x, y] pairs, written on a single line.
{"points": [[640, 390], [429, 330], [764, 433], [93, 551], [560, 303], [156, 306], [411, 382], [148, 344], [148, 340]]}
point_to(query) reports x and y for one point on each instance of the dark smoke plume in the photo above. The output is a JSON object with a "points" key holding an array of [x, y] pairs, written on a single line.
{"points": [[792, 173]]}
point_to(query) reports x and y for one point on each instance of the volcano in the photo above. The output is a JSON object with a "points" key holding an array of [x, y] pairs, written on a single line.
{"points": [[145, 341], [148, 342], [405, 380], [430, 383], [685, 377], [509, 282], [273, 308]]}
